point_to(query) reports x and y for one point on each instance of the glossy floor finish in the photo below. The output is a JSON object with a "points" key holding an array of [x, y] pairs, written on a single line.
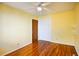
{"points": [[45, 48]]}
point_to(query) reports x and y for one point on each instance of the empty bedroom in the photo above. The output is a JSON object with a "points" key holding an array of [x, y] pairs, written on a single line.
{"points": [[39, 28]]}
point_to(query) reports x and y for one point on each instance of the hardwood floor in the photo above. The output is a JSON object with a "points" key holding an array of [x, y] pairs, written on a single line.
{"points": [[45, 48]]}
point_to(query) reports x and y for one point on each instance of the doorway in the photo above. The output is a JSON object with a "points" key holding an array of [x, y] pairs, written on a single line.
{"points": [[34, 31]]}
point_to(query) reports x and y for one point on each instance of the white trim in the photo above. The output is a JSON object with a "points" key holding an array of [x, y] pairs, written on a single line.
{"points": [[60, 43], [13, 50], [64, 43], [77, 50]]}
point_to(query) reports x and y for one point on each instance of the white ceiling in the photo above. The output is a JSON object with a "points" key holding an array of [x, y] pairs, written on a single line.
{"points": [[51, 7]]}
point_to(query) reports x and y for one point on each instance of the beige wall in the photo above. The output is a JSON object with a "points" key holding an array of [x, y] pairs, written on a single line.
{"points": [[16, 28]]}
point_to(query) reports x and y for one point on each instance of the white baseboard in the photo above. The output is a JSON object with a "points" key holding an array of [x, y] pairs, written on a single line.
{"points": [[60, 42], [13, 50]]}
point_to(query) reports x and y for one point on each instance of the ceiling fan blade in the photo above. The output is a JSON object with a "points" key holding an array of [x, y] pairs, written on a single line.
{"points": [[40, 4], [45, 3], [46, 9]]}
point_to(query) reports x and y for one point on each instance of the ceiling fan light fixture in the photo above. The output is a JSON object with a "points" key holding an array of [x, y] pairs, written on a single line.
{"points": [[39, 8]]}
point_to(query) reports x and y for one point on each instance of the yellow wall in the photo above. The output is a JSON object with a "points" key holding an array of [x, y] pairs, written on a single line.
{"points": [[15, 30], [65, 27], [77, 27], [58, 27], [62, 26]]}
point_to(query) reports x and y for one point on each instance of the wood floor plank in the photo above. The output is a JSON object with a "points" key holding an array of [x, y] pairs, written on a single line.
{"points": [[45, 48]]}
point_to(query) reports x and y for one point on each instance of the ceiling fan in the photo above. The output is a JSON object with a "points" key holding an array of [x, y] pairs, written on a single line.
{"points": [[42, 5]]}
